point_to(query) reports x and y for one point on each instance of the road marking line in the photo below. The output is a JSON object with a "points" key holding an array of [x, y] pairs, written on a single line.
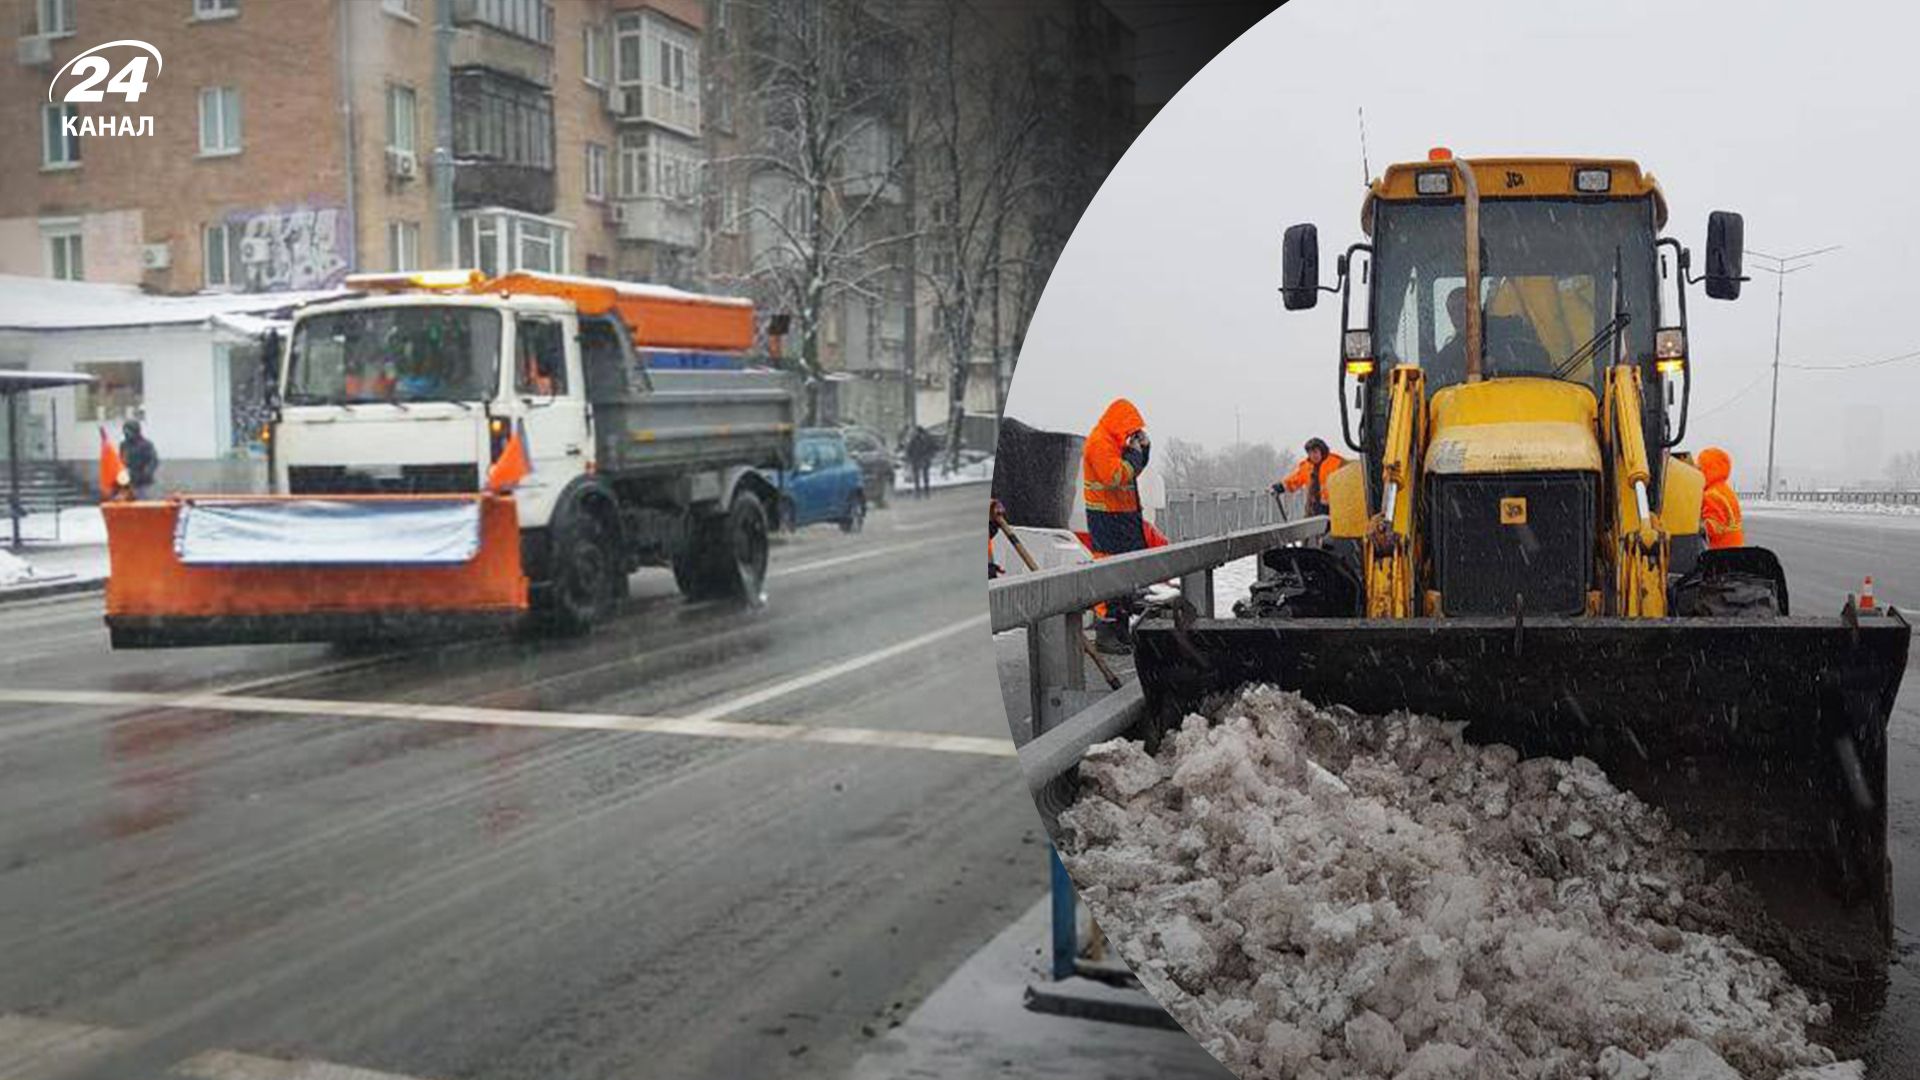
{"points": [[834, 671], [233, 1065], [700, 725], [31, 1047], [841, 560]]}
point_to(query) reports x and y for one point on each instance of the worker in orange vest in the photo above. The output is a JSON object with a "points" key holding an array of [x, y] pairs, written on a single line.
{"points": [[1313, 474], [1719, 506], [1115, 453]]}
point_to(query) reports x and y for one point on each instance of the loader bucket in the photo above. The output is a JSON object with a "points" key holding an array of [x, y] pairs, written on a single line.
{"points": [[1763, 739], [220, 571]]}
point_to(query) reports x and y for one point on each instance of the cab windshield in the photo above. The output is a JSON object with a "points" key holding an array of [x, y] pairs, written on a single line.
{"points": [[402, 353], [1548, 269]]}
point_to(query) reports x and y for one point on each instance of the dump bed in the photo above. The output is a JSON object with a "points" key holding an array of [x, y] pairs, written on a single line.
{"points": [[670, 420]]}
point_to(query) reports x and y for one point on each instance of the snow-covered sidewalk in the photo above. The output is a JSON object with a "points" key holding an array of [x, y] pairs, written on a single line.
{"points": [[68, 551], [978, 472]]}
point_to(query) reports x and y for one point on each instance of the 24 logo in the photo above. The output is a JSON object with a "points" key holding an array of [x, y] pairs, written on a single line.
{"points": [[130, 81]]}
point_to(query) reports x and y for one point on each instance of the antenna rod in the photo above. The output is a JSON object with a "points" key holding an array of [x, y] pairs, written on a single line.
{"points": [[1366, 171]]}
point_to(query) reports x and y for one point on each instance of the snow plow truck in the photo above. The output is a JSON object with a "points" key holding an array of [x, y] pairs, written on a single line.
{"points": [[449, 453], [1517, 545]]}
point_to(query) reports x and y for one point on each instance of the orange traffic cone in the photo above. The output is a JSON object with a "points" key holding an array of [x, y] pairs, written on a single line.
{"points": [[1866, 594]]}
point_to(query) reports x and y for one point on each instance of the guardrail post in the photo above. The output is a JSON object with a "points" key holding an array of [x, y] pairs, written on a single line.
{"points": [[1066, 917], [1197, 587], [1055, 666]]}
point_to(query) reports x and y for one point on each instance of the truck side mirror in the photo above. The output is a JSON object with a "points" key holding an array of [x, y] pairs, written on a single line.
{"points": [[1300, 267], [270, 367], [1726, 252]]}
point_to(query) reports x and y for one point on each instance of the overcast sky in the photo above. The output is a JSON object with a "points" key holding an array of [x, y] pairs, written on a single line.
{"points": [[1800, 116]]}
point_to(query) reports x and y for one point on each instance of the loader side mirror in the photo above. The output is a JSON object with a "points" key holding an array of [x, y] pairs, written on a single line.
{"points": [[1726, 253], [1300, 267]]}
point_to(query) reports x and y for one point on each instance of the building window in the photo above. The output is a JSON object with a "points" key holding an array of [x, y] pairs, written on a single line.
{"points": [[406, 9], [593, 45], [56, 17], [64, 258], [501, 120], [58, 150], [215, 9], [400, 118], [219, 120], [495, 241], [530, 19], [114, 394], [654, 164], [596, 172], [220, 256], [403, 245]]}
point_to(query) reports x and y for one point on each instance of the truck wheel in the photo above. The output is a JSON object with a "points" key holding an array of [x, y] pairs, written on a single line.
{"points": [[856, 514], [728, 559], [585, 577]]}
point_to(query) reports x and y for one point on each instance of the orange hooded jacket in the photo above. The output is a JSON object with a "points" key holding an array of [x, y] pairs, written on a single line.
{"points": [[1107, 479], [1719, 506], [1302, 475]]}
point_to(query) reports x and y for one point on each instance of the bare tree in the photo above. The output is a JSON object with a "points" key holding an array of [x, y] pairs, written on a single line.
{"points": [[1904, 469], [1239, 467], [825, 83], [978, 113]]}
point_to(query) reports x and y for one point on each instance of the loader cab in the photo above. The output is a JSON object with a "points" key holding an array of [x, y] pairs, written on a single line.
{"points": [[1514, 331]]}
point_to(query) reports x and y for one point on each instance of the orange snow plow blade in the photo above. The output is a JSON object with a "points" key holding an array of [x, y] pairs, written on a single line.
{"points": [[163, 592]]}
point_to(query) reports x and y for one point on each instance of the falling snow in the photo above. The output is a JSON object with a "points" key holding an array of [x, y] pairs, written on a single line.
{"points": [[1315, 893]]}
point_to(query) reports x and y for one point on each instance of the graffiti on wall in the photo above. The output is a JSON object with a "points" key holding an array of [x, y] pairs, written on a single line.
{"points": [[300, 247]]}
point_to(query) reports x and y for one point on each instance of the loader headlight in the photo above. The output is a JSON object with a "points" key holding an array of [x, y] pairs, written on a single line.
{"points": [[1433, 181], [1593, 181], [1669, 345], [1357, 345]]}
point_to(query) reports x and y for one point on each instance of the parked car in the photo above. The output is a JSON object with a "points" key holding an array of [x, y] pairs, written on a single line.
{"points": [[825, 483], [876, 462]]}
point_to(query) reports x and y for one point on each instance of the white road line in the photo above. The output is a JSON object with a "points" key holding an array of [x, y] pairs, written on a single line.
{"points": [[858, 556], [816, 677], [32, 1048], [233, 1065], [696, 726]]}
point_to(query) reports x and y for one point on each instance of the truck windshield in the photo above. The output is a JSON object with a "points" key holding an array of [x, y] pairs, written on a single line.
{"points": [[1546, 288], [400, 353]]}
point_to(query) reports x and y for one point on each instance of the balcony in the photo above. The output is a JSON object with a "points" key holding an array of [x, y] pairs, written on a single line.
{"points": [[673, 222], [518, 187], [648, 104], [478, 44]]}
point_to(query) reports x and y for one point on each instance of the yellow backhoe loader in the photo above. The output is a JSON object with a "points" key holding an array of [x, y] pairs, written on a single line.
{"points": [[1517, 544]]}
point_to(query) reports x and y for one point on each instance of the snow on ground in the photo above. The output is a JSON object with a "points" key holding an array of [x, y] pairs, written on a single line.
{"points": [[1232, 582], [14, 570], [977, 472], [1903, 516], [78, 525], [1314, 893]]}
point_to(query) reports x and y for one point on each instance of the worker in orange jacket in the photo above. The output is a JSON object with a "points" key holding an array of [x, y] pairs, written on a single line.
{"points": [[1116, 451], [1719, 506], [1313, 474]]}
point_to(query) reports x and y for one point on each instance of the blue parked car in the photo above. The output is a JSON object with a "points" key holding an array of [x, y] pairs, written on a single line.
{"points": [[825, 483]]}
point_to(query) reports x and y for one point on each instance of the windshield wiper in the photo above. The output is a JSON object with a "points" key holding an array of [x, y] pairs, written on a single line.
{"points": [[1593, 346]]}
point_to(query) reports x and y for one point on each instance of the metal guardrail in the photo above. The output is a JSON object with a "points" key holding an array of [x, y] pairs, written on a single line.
{"points": [[1067, 717], [1190, 515], [1866, 498]]}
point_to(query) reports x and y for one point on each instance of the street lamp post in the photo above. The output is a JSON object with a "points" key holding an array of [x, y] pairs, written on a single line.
{"points": [[1782, 266]]}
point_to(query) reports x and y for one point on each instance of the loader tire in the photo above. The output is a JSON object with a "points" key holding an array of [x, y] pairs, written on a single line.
{"points": [[727, 558], [587, 576]]}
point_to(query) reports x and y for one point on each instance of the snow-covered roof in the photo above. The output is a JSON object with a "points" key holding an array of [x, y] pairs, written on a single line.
{"points": [[31, 303]]}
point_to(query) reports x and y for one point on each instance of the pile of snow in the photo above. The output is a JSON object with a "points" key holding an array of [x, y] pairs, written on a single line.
{"points": [[1234, 582], [1836, 507], [14, 570], [969, 472], [1314, 893]]}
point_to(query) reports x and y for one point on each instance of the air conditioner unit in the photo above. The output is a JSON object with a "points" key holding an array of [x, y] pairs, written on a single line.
{"points": [[253, 249], [35, 49], [156, 256], [402, 164]]}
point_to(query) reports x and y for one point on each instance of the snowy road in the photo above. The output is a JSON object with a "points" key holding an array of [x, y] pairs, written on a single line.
{"points": [[695, 843]]}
